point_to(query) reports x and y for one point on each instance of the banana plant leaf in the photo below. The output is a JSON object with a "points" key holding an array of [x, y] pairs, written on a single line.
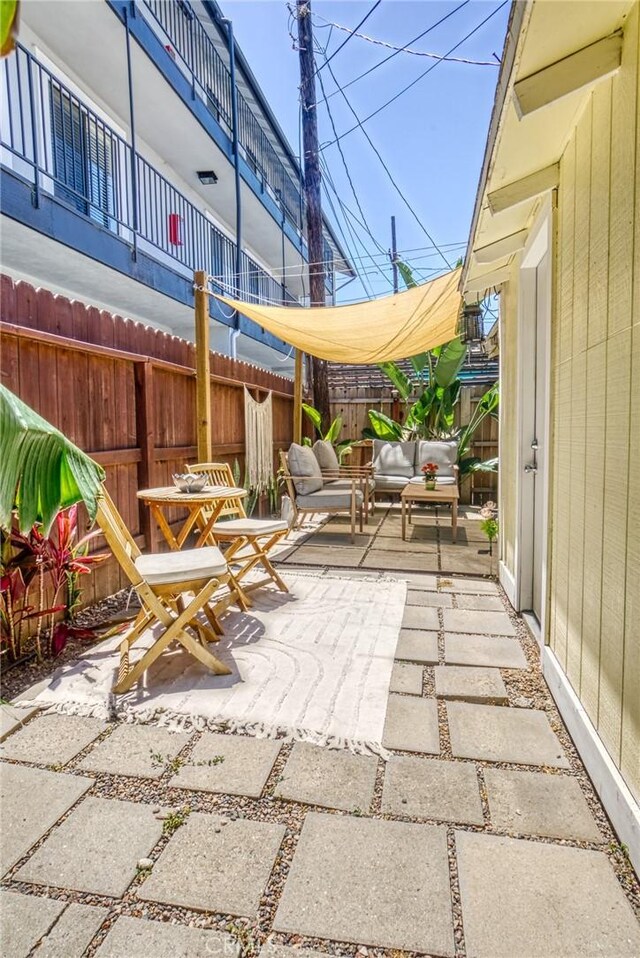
{"points": [[382, 427], [451, 356], [407, 274], [9, 10], [313, 415], [41, 471], [399, 379], [334, 430]]}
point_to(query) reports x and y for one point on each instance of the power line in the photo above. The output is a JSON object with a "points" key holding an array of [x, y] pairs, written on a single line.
{"points": [[344, 42], [348, 173], [400, 49], [407, 48], [388, 171], [359, 124]]}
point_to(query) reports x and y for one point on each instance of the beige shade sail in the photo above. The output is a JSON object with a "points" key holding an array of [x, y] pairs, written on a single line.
{"points": [[393, 327]]}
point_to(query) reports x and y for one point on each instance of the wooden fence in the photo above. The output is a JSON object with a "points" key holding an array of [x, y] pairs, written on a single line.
{"points": [[353, 404], [125, 393]]}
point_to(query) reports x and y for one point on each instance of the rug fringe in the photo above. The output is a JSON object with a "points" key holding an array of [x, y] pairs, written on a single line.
{"points": [[184, 722]]}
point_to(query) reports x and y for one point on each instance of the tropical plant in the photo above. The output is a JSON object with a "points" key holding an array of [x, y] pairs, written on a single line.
{"points": [[41, 471], [49, 566], [342, 446], [9, 10]]}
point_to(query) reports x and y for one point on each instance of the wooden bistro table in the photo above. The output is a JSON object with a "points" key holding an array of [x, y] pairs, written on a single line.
{"points": [[204, 509], [416, 492]]}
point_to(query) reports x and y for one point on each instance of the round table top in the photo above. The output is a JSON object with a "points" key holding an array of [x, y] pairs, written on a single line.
{"points": [[208, 494]]}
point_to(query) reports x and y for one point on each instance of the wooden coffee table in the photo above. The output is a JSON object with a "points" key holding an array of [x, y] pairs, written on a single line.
{"points": [[416, 492]]}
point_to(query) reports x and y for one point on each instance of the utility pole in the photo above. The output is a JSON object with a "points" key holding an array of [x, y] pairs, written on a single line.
{"points": [[394, 254], [312, 182]]}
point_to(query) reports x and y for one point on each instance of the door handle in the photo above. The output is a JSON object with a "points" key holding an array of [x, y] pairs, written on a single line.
{"points": [[530, 467]]}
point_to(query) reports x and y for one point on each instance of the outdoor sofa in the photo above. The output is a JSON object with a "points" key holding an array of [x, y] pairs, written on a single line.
{"points": [[395, 463]]}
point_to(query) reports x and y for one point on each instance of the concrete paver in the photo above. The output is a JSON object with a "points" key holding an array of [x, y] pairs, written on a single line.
{"points": [[470, 683], [535, 803], [25, 919], [479, 623], [139, 938], [484, 602], [378, 883], [138, 750], [401, 560], [496, 733], [32, 801], [211, 866], [438, 600], [406, 678], [417, 645], [411, 724], [244, 768], [332, 778], [51, 739], [108, 838], [13, 717], [541, 900], [490, 650], [72, 932], [416, 617], [429, 788], [468, 585]]}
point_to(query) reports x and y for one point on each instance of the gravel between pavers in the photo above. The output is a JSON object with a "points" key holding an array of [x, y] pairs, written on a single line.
{"points": [[526, 688]]}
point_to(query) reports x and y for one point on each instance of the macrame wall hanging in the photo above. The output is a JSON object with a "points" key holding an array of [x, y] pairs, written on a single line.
{"points": [[258, 424]]}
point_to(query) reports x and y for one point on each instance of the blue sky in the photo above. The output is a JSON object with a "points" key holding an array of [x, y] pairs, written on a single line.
{"points": [[432, 138]]}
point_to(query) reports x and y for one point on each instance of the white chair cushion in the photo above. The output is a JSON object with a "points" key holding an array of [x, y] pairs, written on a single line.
{"points": [[165, 568], [345, 483], [326, 456], [305, 469], [394, 458], [444, 454], [249, 527]]}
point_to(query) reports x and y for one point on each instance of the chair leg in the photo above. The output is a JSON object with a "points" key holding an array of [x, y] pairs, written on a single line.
{"points": [[353, 519]]}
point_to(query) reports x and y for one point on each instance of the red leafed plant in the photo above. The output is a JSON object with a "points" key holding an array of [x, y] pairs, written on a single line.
{"points": [[430, 469], [36, 567]]}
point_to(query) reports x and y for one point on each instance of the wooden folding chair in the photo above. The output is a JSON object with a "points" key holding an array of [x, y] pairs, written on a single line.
{"points": [[250, 539], [162, 582]]}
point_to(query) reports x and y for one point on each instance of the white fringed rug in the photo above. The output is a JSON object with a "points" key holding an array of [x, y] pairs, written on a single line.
{"points": [[314, 665]]}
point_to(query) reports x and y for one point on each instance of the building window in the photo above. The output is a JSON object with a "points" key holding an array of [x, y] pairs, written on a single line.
{"points": [[83, 155]]}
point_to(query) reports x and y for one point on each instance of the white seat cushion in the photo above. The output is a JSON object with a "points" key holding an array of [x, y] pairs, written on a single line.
{"points": [[390, 483], [345, 483], [328, 498], [394, 458], [164, 568], [443, 454], [249, 527]]}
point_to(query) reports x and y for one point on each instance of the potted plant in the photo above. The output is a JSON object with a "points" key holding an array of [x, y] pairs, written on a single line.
{"points": [[430, 471]]}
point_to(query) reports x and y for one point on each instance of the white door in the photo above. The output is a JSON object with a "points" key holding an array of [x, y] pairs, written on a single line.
{"points": [[539, 440]]}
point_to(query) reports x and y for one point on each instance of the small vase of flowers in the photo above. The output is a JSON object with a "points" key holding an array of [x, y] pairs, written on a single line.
{"points": [[430, 471]]}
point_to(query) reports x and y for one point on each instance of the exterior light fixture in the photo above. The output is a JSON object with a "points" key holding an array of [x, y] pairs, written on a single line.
{"points": [[470, 323], [207, 177]]}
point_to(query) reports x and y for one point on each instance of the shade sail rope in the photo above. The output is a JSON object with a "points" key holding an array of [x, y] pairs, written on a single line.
{"points": [[384, 329]]}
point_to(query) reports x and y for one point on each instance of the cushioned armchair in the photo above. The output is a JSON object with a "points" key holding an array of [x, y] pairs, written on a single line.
{"points": [[337, 475], [310, 494]]}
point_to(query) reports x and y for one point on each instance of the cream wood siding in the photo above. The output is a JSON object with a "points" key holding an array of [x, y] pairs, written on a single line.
{"points": [[594, 588]]}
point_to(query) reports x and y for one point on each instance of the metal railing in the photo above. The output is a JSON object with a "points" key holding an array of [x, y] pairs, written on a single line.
{"points": [[52, 139], [209, 74]]}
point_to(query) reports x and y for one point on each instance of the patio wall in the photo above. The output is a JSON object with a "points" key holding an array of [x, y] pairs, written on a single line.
{"points": [[354, 402], [125, 393]]}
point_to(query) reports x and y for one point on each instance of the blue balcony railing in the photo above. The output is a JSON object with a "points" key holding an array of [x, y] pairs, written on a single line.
{"points": [[52, 139], [210, 77]]}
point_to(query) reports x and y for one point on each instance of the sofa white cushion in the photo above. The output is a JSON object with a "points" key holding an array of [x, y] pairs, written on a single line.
{"points": [[444, 454], [329, 498], [390, 483], [394, 458], [189, 565], [326, 456], [305, 469]]}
